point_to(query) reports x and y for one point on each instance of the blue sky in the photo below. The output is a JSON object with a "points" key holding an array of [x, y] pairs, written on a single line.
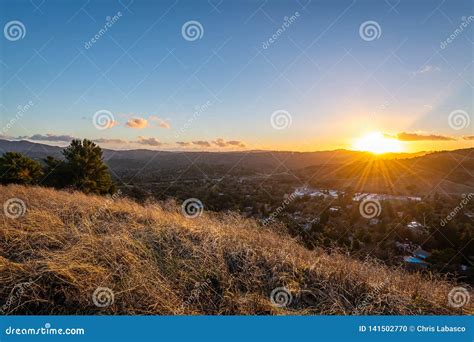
{"points": [[333, 85]]}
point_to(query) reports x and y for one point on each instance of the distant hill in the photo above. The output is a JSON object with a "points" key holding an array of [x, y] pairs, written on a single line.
{"points": [[261, 161], [150, 259], [450, 172], [403, 173]]}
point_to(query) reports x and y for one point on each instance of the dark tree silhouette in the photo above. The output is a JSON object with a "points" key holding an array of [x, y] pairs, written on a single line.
{"points": [[18, 169], [84, 168], [57, 173]]}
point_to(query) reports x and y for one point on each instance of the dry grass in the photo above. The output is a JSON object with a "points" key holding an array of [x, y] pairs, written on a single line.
{"points": [[156, 261]]}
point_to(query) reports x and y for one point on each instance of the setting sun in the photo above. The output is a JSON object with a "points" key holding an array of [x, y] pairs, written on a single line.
{"points": [[377, 143]]}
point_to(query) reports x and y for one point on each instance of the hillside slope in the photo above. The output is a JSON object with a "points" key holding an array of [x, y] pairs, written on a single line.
{"points": [[156, 261]]}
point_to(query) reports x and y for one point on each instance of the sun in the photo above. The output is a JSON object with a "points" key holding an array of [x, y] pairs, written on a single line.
{"points": [[378, 143]]}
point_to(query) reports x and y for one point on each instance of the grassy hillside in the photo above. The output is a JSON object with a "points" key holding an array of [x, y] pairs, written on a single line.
{"points": [[156, 261]]}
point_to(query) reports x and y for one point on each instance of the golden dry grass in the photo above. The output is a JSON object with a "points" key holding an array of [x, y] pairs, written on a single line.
{"points": [[156, 261]]}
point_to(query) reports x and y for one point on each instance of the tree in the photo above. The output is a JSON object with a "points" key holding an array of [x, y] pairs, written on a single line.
{"points": [[85, 168], [19, 169], [57, 173]]}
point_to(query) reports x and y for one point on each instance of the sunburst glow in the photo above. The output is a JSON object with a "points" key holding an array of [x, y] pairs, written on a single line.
{"points": [[377, 143]]}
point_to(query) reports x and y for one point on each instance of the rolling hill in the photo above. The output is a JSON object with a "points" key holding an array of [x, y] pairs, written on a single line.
{"points": [[398, 173]]}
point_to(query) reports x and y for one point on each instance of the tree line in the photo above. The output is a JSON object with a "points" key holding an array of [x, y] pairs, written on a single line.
{"points": [[81, 169]]}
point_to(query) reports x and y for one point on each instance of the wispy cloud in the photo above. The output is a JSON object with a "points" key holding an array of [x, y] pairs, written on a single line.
{"points": [[148, 141], [137, 123], [468, 137], [222, 143], [236, 143], [49, 137], [427, 69], [202, 143], [404, 136], [160, 122], [110, 141], [183, 143]]}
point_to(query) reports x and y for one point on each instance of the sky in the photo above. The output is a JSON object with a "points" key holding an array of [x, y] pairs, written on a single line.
{"points": [[238, 75]]}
